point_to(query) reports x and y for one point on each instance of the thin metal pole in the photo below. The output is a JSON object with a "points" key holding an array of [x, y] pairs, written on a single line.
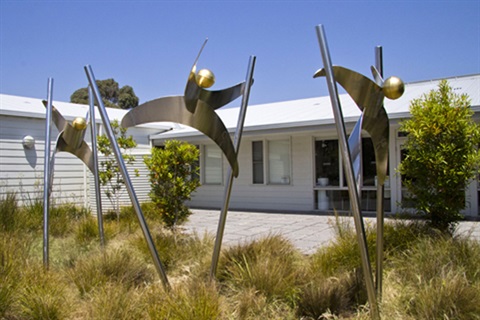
{"points": [[128, 183], [380, 204], [96, 176], [228, 187], [46, 174], [347, 164]]}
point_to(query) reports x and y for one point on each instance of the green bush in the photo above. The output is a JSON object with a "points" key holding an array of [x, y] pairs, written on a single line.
{"points": [[442, 155], [173, 177]]}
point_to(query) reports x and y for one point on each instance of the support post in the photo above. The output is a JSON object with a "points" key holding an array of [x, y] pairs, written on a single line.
{"points": [[96, 176], [380, 204], [228, 187], [46, 174], [349, 173], [128, 183]]}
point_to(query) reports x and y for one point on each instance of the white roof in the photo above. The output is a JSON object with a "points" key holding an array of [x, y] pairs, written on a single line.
{"points": [[34, 108], [286, 114], [318, 111]]}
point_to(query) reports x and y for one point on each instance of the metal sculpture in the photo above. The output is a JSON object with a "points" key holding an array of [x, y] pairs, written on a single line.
{"points": [[70, 139], [196, 109], [369, 96], [126, 177]]}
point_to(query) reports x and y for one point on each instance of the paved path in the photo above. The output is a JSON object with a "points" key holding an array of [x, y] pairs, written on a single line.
{"points": [[306, 231]]}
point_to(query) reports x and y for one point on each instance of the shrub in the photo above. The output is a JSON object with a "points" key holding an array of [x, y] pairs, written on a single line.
{"points": [[441, 156], [109, 172], [173, 177]]}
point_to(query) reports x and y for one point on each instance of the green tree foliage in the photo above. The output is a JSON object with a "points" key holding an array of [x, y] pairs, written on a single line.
{"points": [[112, 95], [173, 178], [442, 155], [109, 172]]}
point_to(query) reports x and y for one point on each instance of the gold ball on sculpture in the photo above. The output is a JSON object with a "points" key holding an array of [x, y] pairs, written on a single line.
{"points": [[393, 88], [79, 123], [205, 78]]}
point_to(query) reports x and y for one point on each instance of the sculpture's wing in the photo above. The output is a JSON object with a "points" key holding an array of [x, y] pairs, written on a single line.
{"points": [[154, 111], [363, 91], [173, 109], [377, 76], [355, 148], [377, 125], [369, 98], [219, 98], [57, 117], [209, 123], [83, 152]]}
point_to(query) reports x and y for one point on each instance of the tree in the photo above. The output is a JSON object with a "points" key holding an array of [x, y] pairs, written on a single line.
{"points": [[442, 155], [112, 95], [173, 177], [109, 172]]}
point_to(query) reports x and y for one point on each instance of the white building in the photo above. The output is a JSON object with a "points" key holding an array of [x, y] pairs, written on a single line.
{"points": [[289, 158], [21, 168]]}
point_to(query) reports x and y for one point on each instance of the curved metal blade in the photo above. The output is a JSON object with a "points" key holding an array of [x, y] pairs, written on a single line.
{"points": [[83, 152], [57, 117], [363, 91], [173, 109], [355, 147]]}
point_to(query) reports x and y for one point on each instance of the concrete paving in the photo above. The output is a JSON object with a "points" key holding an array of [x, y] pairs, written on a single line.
{"points": [[307, 231]]}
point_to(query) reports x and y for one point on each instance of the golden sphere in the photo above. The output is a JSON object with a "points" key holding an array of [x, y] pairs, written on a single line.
{"points": [[205, 78], [393, 88], [79, 123]]}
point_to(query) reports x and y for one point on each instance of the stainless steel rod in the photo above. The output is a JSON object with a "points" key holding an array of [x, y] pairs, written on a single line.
{"points": [[96, 175], [349, 173], [123, 169], [380, 204], [46, 174], [228, 187]]}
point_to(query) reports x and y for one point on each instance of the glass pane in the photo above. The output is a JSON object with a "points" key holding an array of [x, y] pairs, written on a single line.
{"points": [[213, 165], [257, 161], [279, 162], [339, 200], [327, 162], [369, 164]]}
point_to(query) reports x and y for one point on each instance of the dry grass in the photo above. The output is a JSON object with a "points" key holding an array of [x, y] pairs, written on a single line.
{"points": [[427, 276]]}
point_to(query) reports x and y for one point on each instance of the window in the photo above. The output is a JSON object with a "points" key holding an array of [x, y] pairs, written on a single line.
{"points": [[327, 162], [277, 162], [332, 193], [212, 165], [257, 161]]}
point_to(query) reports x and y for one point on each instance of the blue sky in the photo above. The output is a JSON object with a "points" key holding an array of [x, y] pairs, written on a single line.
{"points": [[151, 45]]}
